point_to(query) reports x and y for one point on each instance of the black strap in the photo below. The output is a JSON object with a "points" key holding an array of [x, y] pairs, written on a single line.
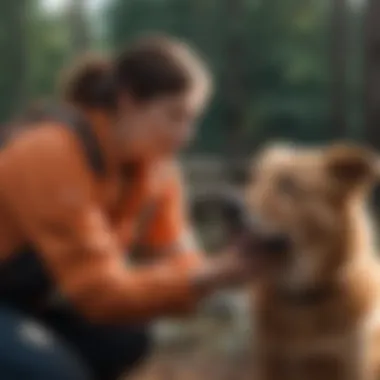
{"points": [[24, 281], [73, 120]]}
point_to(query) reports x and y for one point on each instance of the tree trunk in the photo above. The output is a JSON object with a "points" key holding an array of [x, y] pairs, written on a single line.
{"points": [[235, 88], [14, 57], [372, 74], [339, 67], [77, 21]]}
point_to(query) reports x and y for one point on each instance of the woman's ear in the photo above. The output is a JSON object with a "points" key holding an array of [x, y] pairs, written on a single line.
{"points": [[352, 164]]}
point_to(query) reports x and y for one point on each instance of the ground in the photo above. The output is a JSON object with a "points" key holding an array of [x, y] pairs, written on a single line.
{"points": [[212, 345]]}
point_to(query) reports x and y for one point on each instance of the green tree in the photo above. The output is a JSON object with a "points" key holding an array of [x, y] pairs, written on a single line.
{"points": [[271, 61], [14, 32], [78, 26], [50, 50], [372, 77]]}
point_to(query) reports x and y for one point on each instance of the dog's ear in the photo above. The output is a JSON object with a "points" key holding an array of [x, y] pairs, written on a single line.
{"points": [[352, 164]]}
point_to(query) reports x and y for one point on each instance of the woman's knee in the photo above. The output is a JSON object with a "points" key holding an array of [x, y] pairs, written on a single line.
{"points": [[29, 350], [108, 351]]}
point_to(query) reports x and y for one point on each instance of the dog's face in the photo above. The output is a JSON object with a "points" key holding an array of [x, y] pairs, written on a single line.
{"points": [[310, 199]]}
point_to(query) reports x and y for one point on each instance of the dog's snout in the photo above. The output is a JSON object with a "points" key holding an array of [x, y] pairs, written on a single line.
{"points": [[258, 223], [276, 244], [266, 239], [261, 226]]}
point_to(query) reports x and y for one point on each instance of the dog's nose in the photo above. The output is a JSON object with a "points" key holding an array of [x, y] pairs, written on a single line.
{"points": [[275, 244], [250, 228], [266, 239]]}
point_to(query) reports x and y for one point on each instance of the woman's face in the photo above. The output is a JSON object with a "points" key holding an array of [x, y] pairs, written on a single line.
{"points": [[158, 127]]}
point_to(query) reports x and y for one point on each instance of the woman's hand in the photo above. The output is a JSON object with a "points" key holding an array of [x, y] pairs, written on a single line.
{"points": [[226, 270]]}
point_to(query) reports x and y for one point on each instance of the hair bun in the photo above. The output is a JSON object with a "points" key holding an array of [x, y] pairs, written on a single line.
{"points": [[88, 83]]}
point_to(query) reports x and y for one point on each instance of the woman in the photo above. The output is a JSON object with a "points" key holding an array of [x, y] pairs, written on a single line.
{"points": [[82, 183]]}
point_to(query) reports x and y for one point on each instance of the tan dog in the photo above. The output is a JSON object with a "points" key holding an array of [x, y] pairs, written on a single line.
{"points": [[317, 302]]}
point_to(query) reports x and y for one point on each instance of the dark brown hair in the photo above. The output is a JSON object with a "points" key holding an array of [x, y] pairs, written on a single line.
{"points": [[148, 68]]}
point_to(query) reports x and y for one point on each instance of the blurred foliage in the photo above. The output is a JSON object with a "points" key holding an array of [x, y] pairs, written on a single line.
{"points": [[14, 30], [286, 73], [49, 51], [270, 59]]}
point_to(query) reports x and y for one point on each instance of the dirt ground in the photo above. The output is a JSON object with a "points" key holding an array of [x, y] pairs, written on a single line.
{"points": [[213, 345], [195, 365]]}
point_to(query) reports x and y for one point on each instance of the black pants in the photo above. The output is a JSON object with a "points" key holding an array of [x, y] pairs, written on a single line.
{"points": [[61, 346]]}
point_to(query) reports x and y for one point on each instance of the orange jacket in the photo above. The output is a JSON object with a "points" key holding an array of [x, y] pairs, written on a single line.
{"points": [[81, 226]]}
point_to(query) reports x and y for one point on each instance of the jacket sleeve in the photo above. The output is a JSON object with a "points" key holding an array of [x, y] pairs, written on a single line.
{"points": [[169, 234], [50, 191]]}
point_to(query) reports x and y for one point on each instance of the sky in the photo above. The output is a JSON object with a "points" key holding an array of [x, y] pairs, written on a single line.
{"points": [[57, 5]]}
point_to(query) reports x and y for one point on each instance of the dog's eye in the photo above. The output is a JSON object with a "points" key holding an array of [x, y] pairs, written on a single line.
{"points": [[288, 186]]}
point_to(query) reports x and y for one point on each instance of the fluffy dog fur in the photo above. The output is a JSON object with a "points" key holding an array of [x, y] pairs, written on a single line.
{"points": [[317, 310]]}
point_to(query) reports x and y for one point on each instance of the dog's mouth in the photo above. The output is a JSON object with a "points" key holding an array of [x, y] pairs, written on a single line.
{"points": [[244, 229], [272, 245], [267, 251]]}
